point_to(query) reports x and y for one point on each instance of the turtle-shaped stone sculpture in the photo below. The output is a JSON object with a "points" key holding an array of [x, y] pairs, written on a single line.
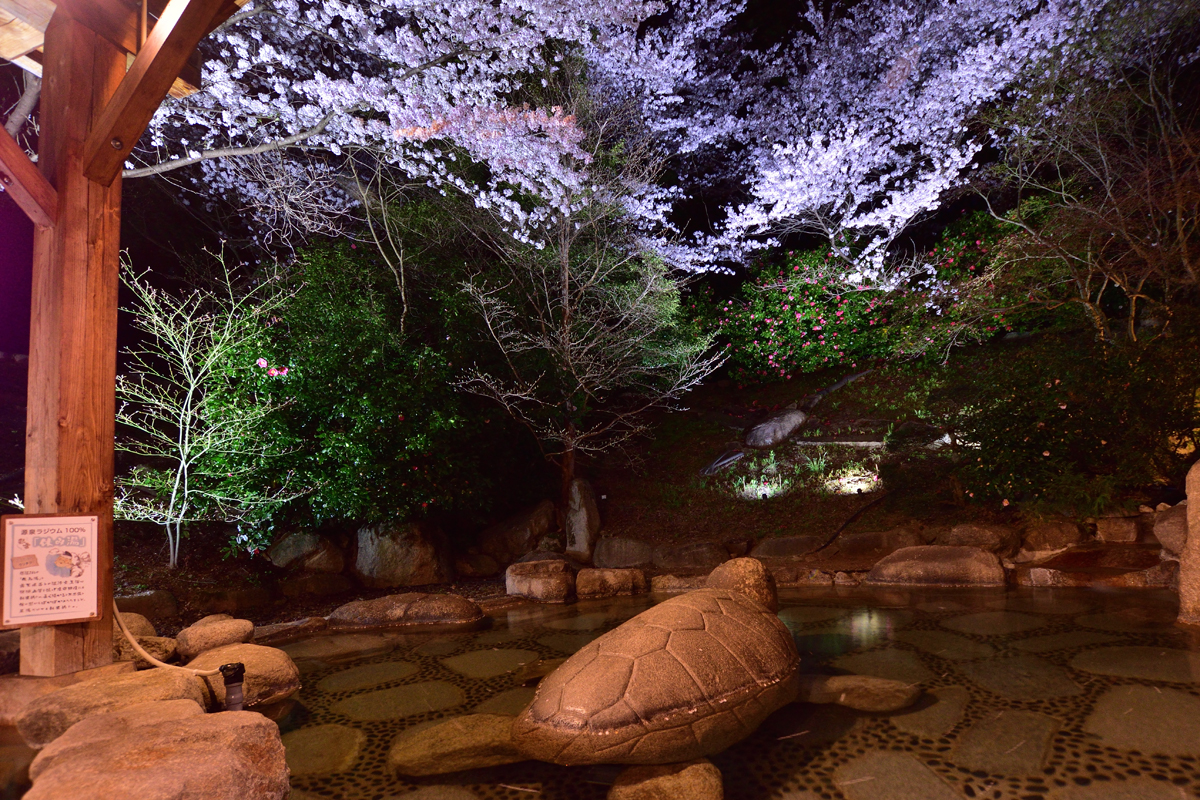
{"points": [[682, 680]]}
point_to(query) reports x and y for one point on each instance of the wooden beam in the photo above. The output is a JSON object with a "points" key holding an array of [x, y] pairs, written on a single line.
{"points": [[73, 333], [180, 28], [21, 179], [17, 37], [109, 18]]}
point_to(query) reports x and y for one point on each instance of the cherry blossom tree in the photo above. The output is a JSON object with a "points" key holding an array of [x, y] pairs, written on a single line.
{"points": [[431, 90]]}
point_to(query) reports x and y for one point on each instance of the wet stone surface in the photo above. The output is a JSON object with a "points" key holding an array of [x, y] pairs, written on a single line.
{"points": [[1036, 713]]}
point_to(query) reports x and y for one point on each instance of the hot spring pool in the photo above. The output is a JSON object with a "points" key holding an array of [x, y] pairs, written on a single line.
{"points": [[1069, 694]]}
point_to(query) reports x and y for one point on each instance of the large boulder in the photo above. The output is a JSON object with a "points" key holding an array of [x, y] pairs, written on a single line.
{"points": [[938, 565], [156, 604], [581, 523], [137, 624], [514, 537], [48, 717], [694, 780], [547, 581], [18, 691], [749, 577], [1189, 559], [616, 552], [163, 751], [682, 680], [394, 554], [281, 632], [271, 675], [306, 551], [474, 564], [999, 539], [215, 630], [693, 555], [876, 543], [469, 742], [428, 611], [775, 429], [610, 582], [1046, 535], [161, 648], [1118, 530], [1171, 528], [787, 546]]}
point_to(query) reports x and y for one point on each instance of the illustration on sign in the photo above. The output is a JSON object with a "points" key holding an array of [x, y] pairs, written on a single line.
{"points": [[49, 576]]}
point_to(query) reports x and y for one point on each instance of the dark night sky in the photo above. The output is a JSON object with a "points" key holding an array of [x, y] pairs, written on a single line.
{"points": [[16, 259]]}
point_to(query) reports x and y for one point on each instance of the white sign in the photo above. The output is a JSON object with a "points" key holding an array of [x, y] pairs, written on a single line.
{"points": [[49, 571]]}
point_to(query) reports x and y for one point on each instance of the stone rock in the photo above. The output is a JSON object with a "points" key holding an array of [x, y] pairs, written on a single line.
{"points": [[164, 750], [896, 665], [306, 551], [787, 546], [48, 717], [1171, 528], [1189, 559], [693, 555], [271, 676], [366, 676], [161, 647], [394, 554], [548, 581], [491, 663], [1144, 663], [18, 691], [615, 552], [210, 633], [476, 565], [339, 648], [281, 632], [946, 645], [315, 584], [888, 774], [1147, 719], [1021, 678], [937, 715], [156, 604], [137, 624], [999, 539], [323, 749], [1016, 742], [1117, 529], [670, 584], [610, 582], [775, 429], [581, 523], [469, 742], [694, 780], [1051, 535], [517, 535], [878, 542], [860, 692], [233, 601], [684, 679], [748, 576], [401, 701], [938, 565], [409, 609]]}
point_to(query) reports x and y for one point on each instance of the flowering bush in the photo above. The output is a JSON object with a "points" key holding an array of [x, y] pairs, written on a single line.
{"points": [[797, 317]]}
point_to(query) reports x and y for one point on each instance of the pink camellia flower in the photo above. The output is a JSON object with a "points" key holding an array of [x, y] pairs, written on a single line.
{"points": [[272, 372], [283, 372], [262, 362]]}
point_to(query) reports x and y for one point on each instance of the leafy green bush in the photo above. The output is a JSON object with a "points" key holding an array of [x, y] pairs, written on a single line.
{"points": [[797, 317], [376, 427]]}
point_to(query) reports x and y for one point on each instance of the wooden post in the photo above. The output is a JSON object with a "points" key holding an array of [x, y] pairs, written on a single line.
{"points": [[73, 331]]}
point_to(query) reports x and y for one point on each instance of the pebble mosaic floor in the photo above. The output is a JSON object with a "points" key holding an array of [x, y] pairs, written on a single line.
{"points": [[1031, 694]]}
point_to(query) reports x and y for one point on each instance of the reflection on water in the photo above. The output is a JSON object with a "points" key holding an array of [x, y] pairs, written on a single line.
{"points": [[1063, 694]]}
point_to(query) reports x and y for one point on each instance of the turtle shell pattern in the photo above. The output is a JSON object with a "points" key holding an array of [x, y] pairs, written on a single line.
{"points": [[682, 680]]}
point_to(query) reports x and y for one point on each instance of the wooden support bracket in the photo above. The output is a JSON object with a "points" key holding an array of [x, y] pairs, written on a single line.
{"points": [[180, 28], [21, 179]]}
